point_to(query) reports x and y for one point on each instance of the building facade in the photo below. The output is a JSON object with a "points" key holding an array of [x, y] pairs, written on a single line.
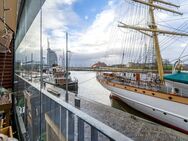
{"points": [[51, 57]]}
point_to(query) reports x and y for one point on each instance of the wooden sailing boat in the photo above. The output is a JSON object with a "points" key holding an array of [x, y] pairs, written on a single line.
{"points": [[163, 97]]}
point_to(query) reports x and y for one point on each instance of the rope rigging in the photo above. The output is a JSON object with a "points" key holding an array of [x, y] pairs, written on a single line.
{"points": [[137, 46], [133, 40]]}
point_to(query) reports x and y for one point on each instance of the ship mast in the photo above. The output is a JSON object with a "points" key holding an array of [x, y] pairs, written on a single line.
{"points": [[154, 29], [156, 41]]}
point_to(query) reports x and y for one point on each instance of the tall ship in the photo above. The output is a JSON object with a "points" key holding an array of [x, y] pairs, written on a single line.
{"points": [[163, 97]]}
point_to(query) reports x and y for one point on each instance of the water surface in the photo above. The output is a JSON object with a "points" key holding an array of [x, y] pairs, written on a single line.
{"points": [[90, 88]]}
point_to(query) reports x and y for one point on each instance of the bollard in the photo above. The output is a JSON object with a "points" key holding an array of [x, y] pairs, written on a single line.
{"points": [[77, 102]]}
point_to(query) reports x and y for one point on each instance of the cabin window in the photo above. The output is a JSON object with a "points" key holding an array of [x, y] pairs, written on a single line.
{"points": [[176, 90], [164, 113]]}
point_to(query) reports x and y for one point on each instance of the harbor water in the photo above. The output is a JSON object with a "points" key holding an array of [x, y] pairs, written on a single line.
{"points": [[90, 88]]}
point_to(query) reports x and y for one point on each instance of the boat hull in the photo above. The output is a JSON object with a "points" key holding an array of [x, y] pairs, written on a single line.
{"points": [[171, 113], [72, 86]]}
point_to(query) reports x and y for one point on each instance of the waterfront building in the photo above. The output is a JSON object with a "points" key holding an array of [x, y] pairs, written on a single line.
{"points": [[98, 65], [51, 56]]}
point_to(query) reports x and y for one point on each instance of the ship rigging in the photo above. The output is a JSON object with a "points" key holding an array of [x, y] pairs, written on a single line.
{"points": [[161, 96]]}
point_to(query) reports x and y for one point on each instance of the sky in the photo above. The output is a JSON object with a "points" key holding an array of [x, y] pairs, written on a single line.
{"points": [[93, 30]]}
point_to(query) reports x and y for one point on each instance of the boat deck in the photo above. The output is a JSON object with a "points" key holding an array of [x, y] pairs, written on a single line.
{"points": [[143, 84]]}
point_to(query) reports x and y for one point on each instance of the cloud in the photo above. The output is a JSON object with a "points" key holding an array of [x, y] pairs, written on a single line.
{"points": [[88, 41], [86, 17], [102, 39], [55, 20]]}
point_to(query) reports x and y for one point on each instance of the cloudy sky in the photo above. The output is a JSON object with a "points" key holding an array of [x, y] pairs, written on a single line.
{"points": [[93, 32]]}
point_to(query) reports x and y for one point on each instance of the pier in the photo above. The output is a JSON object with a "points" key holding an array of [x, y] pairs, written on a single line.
{"points": [[115, 69]]}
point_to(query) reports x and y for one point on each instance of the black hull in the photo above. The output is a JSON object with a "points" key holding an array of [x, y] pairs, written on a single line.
{"points": [[72, 86]]}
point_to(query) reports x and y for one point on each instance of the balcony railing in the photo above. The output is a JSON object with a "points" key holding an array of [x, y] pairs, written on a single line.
{"points": [[58, 120]]}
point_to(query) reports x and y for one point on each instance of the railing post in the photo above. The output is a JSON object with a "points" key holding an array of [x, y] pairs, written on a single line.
{"points": [[63, 121], [94, 134], [80, 129], [70, 126]]}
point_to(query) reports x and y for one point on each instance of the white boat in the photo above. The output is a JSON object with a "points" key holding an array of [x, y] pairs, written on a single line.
{"points": [[162, 97]]}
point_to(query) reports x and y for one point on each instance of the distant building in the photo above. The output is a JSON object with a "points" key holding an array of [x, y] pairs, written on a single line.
{"points": [[150, 65], [99, 64], [131, 64], [140, 65], [185, 66], [51, 57], [166, 62], [119, 65]]}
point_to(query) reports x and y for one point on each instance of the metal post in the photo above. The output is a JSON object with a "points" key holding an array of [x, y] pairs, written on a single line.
{"points": [[94, 134], [64, 121], [70, 126], [67, 71], [80, 129], [31, 67], [41, 69]]}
